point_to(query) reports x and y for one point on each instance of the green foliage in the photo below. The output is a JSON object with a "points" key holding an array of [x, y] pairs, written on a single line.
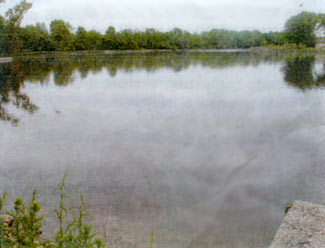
{"points": [[16, 14], [73, 233], [35, 38], [300, 29], [27, 223], [288, 206], [109, 39], [2, 231], [61, 35], [80, 39], [76, 234], [274, 38], [151, 239], [2, 201], [26, 226], [9, 32]]}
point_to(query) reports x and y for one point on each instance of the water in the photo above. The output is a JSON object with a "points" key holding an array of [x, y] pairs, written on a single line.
{"points": [[202, 148]]}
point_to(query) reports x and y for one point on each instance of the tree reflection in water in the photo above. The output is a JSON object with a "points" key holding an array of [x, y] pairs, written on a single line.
{"points": [[12, 80], [298, 71]]}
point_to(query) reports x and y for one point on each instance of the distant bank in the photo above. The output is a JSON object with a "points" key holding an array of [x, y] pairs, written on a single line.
{"points": [[288, 49]]}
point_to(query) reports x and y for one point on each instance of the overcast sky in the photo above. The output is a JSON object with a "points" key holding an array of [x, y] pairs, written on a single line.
{"points": [[192, 15]]}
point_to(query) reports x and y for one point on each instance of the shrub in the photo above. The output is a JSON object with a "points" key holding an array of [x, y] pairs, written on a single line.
{"points": [[25, 229]]}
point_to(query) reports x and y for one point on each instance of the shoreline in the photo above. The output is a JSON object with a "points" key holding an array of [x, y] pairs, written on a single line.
{"points": [[275, 50], [283, 49], [113, 52]]}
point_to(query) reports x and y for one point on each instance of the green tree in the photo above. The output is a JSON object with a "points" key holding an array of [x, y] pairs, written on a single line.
{"points": [[300, 29], [94, 40], [109, 40], [80, 42], [35, 37], [10, 27], [61, 35], [274, 38], [16, 14]]}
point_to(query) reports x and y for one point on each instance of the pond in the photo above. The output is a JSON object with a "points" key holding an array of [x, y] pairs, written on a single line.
{"points": [[202, 149]]}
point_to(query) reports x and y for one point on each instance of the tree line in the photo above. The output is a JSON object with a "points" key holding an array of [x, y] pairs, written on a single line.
{"points": [[61, 36]]}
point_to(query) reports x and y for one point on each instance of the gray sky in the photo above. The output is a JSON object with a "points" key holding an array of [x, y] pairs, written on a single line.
{"points": [[192, 15]]}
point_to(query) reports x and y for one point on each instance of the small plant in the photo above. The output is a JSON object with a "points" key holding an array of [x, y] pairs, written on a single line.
{"points": [[288, 206], [2, 201], [151, 240], [25, 225], [61, 212], [76, 234], [24, 229]]}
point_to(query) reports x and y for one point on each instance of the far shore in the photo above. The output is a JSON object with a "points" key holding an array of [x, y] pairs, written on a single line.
{"points": [[271, 49], [287, 49], [140, 51]]}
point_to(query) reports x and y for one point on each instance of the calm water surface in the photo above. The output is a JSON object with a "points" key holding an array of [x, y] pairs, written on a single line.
{"points": [[202, 148]]}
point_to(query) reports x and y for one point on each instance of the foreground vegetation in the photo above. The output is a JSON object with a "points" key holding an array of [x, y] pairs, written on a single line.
{"points": [[23, 228], [299, 30]]}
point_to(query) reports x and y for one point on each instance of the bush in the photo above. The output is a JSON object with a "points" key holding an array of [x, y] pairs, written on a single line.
{"points": [[25, 227]]}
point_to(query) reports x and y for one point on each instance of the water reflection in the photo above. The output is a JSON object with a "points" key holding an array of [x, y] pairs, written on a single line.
{"points": [[12, 79], [298, 71], [204, 148]]}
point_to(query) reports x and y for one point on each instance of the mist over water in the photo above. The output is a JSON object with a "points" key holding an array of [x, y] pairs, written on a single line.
{"points": [[205, 149]]}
